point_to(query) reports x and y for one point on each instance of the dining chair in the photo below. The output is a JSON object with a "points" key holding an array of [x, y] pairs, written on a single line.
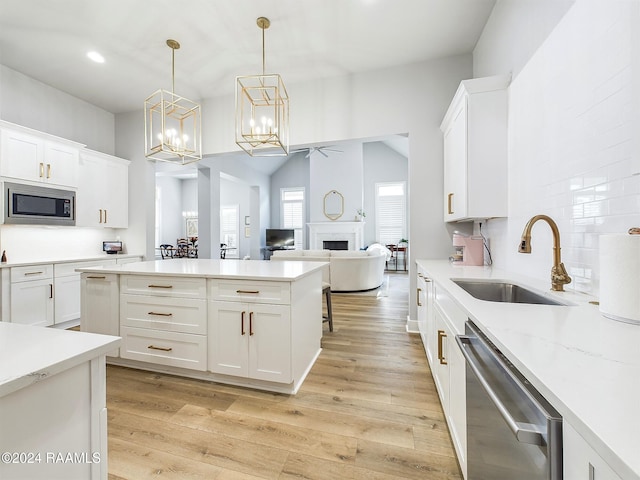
{"points": [[182, 247], [166, 251]]}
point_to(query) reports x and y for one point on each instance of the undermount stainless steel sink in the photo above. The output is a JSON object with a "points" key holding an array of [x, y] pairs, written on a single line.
{"points": [[501, 291]]}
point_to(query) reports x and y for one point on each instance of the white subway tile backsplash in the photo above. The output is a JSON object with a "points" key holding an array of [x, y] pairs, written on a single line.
{"points": [[574, 149]]}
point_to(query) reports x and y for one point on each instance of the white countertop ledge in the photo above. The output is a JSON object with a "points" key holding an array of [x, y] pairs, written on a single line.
{"points": [[60, 259], [586, 365], [30, 354], [223, 269]]}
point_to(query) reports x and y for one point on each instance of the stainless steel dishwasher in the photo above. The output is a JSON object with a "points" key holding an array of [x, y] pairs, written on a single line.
{"points": [[512, 431]]}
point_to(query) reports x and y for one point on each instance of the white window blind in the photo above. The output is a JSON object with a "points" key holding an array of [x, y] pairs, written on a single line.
{"points": [[229, 228], [292, 213], [391, 212]]}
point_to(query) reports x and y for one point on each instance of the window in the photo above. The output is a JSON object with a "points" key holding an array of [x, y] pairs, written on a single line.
{"points": [[391, 212], [292, 213], [229, 229]]}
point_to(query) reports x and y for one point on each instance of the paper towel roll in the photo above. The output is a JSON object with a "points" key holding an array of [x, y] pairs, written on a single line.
{"points": [[620, 277]]}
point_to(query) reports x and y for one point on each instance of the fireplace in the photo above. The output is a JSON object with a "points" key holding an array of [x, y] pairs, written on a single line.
{"points": [[335, 244], [350, 232]]}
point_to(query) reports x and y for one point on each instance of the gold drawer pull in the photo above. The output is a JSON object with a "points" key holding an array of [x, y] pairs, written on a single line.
{"points": [[418, 297], [100, 277], [33, 273], [248, 291], [41, 169], [160, 286], [48, 170], [450, 204], [161, 314], [164, 349], [441, 336]]}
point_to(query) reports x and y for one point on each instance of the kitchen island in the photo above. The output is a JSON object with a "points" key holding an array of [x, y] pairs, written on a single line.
{"points": [[251, 323], [53, 416]]}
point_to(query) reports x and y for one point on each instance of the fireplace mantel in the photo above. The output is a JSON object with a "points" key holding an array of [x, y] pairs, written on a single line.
{"points": [[353, 232]]}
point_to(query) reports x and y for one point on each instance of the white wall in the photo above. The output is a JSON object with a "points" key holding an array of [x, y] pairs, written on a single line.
{"points": [[340, 171], [574, 148], [33, 104], [233, 192], [381, 164], [171, 222], [293, 173]]}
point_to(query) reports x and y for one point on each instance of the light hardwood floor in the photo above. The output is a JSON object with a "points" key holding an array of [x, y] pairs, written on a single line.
{"points": [[367, 410]]}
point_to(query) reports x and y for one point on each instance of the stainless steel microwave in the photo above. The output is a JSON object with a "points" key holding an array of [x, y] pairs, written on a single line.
{"points": [[35, 205]]}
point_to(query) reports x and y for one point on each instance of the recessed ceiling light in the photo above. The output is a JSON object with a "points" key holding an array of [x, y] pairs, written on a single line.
{"points": [[96, 57]]}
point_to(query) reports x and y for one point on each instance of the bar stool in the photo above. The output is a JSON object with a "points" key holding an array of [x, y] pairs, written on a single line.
{"points": [[326, 291]]}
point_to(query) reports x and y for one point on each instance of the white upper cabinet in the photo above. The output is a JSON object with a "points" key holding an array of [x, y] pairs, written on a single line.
{"points": [[103, 195], [38, 157], [475, 150]]}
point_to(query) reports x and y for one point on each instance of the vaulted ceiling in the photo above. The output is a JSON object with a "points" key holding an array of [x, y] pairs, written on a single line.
{"points": [[49, 39]]}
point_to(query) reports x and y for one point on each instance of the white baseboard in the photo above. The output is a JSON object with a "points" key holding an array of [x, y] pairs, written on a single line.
{"points": [[412, 325]]}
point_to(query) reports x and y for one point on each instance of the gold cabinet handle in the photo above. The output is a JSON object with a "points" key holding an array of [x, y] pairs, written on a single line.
{"points": [[248, 291], [41, 169], [27, 274], [97, 277], [242, 322], [441, 335], [48, 170], [418, 297], [450, 204], [160, 286], [100, 216], [105, 215], [160, 314], [164, 349], [250, 323]]}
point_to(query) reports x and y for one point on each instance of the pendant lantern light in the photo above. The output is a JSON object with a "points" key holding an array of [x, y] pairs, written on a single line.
{"points": [[262, 110], [172, 123]]}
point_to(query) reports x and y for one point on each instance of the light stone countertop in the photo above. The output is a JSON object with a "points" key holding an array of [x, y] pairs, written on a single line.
{"points": [[586, 365], [52, 259], [207, 268], [30, 354]]}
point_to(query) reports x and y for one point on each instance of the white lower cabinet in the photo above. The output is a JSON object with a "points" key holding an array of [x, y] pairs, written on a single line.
{"points": [[164, 348], [100, 302], [424, 300], [448, 368], [32, 295], [164, 322], [66, 290], [580, 460], [67, 298], [250, 340]]}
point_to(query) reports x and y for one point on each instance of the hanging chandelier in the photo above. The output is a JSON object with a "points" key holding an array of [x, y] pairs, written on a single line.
{"points": [[172, 124], [262, 110]]}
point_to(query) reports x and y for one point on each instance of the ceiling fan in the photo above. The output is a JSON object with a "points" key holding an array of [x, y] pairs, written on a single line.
{"points": [[321, 149]]}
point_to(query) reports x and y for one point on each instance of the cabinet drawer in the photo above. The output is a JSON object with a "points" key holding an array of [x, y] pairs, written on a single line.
{"points": [[164, 286], [34, 272], [66, 269], [186, 315], [164, 348], [452, 312], [254, 291]]}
